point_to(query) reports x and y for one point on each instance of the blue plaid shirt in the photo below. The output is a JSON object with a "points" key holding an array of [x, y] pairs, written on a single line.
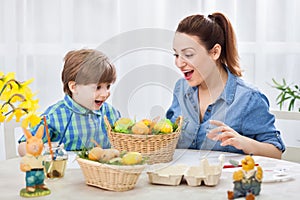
{"points": [[240, 106], [75, 126]]}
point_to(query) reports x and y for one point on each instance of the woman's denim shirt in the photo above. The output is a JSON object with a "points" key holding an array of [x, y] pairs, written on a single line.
{"points": [[240, 106]]}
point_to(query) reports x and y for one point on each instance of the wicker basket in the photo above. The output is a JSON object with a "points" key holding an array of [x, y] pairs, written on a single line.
{"points": [[110, 177], [156, 148]]}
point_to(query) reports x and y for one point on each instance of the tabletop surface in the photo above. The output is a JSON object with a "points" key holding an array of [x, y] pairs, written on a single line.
{"points": [[72, 185]]}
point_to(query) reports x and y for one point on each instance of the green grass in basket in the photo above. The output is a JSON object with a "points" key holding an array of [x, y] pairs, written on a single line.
{"points": [[83, 153]]}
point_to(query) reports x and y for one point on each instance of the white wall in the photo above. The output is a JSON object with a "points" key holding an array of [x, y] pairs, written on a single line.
{"points": [[35, 36]]}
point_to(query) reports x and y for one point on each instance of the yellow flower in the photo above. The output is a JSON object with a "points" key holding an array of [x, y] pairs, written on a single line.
{"points": [[18, 113], [17, 101], [4, 108], [26, 104], [2, 117], [7, 77], [24, 85], [16, 97], [10, 116], [31, 120]]}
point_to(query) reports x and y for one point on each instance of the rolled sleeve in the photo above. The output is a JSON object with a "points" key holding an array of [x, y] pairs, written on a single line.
{"points": [[258, 122]]}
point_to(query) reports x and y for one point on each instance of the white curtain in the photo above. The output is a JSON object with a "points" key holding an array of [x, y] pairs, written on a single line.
{"points": [[137, 35], [35, 36]]}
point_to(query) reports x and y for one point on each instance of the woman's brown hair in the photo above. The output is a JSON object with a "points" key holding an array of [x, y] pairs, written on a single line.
{"points": [[211, 30], [87, 66]]}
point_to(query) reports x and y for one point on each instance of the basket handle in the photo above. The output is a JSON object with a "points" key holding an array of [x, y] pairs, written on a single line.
{"points": [[154, 121], [107, 123], [179, 122]]}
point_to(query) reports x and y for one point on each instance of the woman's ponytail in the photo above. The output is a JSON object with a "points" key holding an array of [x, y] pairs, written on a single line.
{"points": [[229, 55]]}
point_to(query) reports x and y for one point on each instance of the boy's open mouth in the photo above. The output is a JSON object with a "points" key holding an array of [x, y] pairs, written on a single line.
{"points": [[99, 103]]}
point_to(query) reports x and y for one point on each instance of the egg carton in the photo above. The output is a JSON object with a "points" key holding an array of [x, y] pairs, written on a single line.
{"points": [[194, 175], [171, 175]]}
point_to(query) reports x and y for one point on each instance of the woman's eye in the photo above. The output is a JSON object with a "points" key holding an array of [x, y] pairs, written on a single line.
{"points": [[108, 86], [176, 55], [98, 87], [188, 55]]}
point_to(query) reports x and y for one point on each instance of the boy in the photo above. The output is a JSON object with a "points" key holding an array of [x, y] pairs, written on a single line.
{"points": [[78, 119]]}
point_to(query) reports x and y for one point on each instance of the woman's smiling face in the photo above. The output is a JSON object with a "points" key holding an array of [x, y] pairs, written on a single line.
{"points": [[195, 62]]}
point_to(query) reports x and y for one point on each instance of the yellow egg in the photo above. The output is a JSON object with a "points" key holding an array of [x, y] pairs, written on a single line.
{"points": [[132, 158], [167, 128], [163, 126]]}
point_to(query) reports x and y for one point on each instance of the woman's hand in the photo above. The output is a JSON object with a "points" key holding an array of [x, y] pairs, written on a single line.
{"points": [[227, 135]]}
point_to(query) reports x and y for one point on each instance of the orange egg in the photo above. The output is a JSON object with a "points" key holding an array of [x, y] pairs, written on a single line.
{"points": [[96, 153]]}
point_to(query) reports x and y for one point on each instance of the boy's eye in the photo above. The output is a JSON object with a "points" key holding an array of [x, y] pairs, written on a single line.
{"points": [[107, 87]]}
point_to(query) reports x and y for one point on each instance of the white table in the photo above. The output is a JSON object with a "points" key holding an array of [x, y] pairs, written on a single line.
{"points": [[72, 185]]}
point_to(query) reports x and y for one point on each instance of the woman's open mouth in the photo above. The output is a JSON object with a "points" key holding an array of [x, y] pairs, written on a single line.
{"points": [[188, 74]]}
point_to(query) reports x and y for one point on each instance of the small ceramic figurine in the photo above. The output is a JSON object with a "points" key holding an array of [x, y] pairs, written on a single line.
{"points": [[32, 164], [247, 181]]}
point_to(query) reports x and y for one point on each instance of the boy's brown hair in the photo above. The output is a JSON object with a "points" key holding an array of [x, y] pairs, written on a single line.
{"points": [[87, 66]]}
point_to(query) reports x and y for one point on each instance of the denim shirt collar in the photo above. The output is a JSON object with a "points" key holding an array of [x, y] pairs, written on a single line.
{"points": [[229, 91], [230, 88], [75, 107]]}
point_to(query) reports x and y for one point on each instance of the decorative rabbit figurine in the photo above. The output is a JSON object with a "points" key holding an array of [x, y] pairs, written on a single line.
{"points": [[32, 164]]}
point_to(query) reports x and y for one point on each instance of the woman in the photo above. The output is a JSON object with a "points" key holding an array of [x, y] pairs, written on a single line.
{"points": [[220, 111]]}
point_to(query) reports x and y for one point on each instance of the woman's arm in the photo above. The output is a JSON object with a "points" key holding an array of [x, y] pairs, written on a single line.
{"points": [[228, 136], [261, 148]]}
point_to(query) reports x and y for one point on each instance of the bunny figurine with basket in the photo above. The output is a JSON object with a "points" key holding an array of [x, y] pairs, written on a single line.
{"points": [[32, 163]]}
